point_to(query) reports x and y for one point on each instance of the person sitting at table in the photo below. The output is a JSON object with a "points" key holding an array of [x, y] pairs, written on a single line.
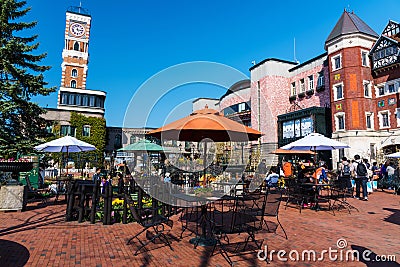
{"points": [[287, 168], [272, 178], [305, 179], [320, 174]]}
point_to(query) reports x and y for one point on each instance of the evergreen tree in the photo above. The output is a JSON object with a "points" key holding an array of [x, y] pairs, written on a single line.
{"points": [[21, 78]]}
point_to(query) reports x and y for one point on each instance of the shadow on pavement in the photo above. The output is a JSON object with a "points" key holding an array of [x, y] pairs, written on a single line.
{"points": [[13, 254]]}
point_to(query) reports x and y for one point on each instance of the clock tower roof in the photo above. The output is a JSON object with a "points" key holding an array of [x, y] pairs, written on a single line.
{"points": [[350, 23]]}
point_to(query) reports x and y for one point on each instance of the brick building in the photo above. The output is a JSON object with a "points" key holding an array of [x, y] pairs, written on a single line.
{"points": [[349, 93]]}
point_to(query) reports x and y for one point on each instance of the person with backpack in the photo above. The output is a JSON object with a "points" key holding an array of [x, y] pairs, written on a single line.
{"points": [[360, 174], [345, 175]]}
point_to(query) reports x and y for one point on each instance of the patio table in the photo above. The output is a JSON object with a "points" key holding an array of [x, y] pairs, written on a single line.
{"points": [[316, 192], [201, 240]]}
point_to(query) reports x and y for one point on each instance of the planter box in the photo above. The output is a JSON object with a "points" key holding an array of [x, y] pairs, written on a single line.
{"points": [[12, 197], [310, 92]]}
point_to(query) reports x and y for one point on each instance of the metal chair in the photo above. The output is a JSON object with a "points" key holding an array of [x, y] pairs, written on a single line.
{"points": [[271, 209], [149, 219], [241, 220]]}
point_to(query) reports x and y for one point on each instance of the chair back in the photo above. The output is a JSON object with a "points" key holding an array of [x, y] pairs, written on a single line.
{"points": [[28, 183], [133, 209], [273, 201]]}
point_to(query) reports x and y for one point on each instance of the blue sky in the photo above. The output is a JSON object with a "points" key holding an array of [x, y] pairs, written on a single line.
{"points": [[131, 41]]}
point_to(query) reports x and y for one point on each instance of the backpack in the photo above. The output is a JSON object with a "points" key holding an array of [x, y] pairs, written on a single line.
{"points": [[361, 169], [346, 170]]}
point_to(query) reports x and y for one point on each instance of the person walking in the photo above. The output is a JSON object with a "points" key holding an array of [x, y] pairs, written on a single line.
{"points": [[345, 175], [360, 173], [262, 168]]}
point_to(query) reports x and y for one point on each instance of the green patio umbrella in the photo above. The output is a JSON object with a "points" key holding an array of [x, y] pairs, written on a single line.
{"points": [[143, 146]]}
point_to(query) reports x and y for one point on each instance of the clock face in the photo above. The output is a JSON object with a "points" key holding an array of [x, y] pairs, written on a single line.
{"points": [[77, 29]]}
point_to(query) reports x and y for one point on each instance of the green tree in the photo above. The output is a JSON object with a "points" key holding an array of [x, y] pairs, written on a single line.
{"points": [[21, 78]]}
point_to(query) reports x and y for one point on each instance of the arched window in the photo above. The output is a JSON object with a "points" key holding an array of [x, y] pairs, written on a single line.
{"points": [[76, 46], [132, 139], [73, 84], [74, 73]]}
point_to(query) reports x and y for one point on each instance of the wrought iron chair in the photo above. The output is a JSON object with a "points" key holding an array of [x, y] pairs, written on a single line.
{"points": [[234, 223], [149, 219], [36, 194], [271, 209], [338, 197]]}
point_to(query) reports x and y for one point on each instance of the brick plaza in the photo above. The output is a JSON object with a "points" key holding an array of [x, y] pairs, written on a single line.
{"points": [[41, 237]]}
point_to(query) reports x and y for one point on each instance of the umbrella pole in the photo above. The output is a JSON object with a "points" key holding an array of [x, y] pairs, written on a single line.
{"points": [[67, 161], [204, 163]]}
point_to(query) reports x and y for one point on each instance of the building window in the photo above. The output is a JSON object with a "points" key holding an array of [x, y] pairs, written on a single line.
{"points": [[367, 89], [336, 62], [76, 46], [340, 121], [391, 88], [73, 84], [321, 80], [302, 86], [338, 91], [91, 101], [86, 131], [67, 130], [64, 99], [118, 141], [71, 99], [369, 120], [384, 121], [310, 82], [78, 100], [132, 139], [74, 73], [293, 89], [364, 58], [242, 107], [381, 90], [85, 100]]}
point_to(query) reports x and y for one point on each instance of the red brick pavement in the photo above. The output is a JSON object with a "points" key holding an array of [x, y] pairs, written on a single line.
{"points": [[40, 237]]}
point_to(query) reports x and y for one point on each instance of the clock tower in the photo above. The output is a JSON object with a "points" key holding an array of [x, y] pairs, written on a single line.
{"points": [[76, 50], [73, 94]]}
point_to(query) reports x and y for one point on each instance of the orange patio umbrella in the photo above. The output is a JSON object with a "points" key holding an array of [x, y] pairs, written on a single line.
{"points": [[203, 124]]}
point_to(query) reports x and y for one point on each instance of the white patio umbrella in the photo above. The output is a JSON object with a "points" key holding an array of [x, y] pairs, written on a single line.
{"points": [[65, 144], [315, 142], [393, 155]]}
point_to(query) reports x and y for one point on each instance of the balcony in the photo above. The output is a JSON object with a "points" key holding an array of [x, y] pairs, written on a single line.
{"points": [[310, 92], [292, 97], [301, 95]]}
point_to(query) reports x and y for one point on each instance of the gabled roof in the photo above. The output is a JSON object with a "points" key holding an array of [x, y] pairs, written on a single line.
{"points": [[350, 23], [383, 41], [392, 30]]}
